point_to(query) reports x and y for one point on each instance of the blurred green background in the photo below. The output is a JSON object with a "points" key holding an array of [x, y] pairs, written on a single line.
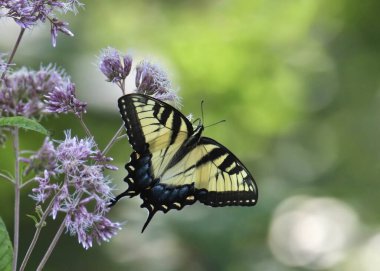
{"points": [[298, 82]]}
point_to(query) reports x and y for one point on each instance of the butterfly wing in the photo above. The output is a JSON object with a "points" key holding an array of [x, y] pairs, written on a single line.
{"points": [[219, 178], [156, 131], [209, 173], [169, 171]]}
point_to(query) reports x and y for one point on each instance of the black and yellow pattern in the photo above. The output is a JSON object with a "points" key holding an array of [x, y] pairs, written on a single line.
{"points": [[173, 166]]}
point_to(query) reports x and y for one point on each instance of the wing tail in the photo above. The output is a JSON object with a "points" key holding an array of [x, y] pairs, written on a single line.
{"points": [[150, 216]]}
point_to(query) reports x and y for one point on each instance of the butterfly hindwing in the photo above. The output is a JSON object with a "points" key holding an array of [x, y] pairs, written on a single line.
{"points": [[219, 178]]}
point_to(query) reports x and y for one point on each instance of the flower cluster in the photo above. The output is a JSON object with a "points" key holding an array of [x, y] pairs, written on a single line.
{"points": [[149, 80], [34, 93], [22, 91], [45, 159], [63, 100], [27, 13], [113, 66], [152, 80], [85, 192]]}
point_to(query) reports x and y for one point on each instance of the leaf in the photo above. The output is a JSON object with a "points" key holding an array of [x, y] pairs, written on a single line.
{"points": [[6, 251], [23, 122]]}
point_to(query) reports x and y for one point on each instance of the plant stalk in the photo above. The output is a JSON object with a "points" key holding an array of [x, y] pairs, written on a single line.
{"points": [[13, 52], [16, 147], [52, 246], [88, 133], [113, 140], [37, 232], [6, 178]]}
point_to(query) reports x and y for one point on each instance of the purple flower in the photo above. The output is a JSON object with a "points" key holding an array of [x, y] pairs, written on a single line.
{"points": [[58, 26], [3, 64], [59, 204], [89, 226], [102, 160], [28, 13], [73, 152], [91, 178], [152, 80], [22, 91], [44, 159], [62, 99], [45, 188], [85, 192], [112, 67]]}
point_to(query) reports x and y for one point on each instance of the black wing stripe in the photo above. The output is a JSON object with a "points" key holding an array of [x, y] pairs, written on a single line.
{"points": [[235, 170], [156, 109], [227, 162], [209, 157], [176, 124], [165, 115]]}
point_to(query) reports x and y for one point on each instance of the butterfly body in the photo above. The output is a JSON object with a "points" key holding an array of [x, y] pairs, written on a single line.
{"points": [[172, 165]]}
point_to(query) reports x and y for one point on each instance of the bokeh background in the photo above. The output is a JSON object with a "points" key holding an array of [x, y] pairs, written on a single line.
{"points": [[298, 82]]}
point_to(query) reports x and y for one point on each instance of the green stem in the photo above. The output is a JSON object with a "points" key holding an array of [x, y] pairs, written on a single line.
{"points": [[52, 245], [57, 235], [113, 140], [6, 178], [13, 52], [26, 183], [121, 137], [88, 133], [16, 147], [38, 231]]}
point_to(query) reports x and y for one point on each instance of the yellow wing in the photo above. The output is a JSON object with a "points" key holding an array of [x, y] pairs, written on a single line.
{"points": [[155, 127], [219, 177]]}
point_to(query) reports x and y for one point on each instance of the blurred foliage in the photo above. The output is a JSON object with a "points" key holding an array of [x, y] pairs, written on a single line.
{"points": [[298, 83]]}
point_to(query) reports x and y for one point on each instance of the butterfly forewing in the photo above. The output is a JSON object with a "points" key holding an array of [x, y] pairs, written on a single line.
{"points": [[155, 125]]}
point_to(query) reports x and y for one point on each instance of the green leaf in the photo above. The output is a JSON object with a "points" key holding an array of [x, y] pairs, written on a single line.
{"points": [[6, 251], [23, 122]]}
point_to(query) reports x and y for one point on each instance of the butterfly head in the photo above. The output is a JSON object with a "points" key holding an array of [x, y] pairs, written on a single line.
{"points": [[198, 126]]}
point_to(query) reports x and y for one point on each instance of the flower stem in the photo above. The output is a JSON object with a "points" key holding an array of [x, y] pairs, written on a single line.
{"points": [[26, 183], [37, 232], [13, 52], [88, 133], [121, 137], [52, 246], [6, 177], [113, 140], [16, 147]]}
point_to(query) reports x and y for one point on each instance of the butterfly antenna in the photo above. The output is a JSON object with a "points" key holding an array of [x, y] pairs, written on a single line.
{"points": [[150, 216], [203, 119], [215, 123], [196, 120]]}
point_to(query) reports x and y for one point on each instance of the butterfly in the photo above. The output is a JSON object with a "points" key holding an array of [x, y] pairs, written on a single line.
{"points": [[172, 165]]}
